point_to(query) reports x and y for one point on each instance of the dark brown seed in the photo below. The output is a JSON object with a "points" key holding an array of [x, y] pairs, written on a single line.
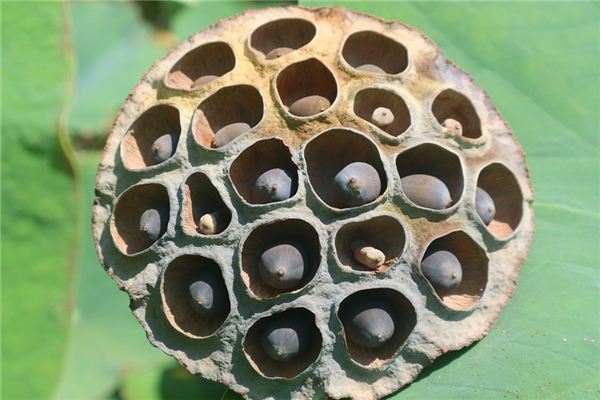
{"points": [[309, 105], [426, 191], [229, 132]]}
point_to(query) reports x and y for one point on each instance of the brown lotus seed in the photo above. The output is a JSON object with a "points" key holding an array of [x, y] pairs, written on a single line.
{"points": [[382, 117], [368, 256], [203, 80], [229, 132], [426, 191], [452, 126], [278, 52], [309, 105], [371, 68]]}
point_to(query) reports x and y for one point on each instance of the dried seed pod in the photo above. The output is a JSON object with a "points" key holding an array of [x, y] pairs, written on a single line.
{"points": [[273, 185], [443, 270], [367, 255], [369, 324], [452, 126], [203, 80], [153, 223], [206, 295], [309, 105], [278, 52], [229, 132], [484, 205], [163, 147], [282, 266], [371, 68], [382, 117], [356, 184], [426, 191]]}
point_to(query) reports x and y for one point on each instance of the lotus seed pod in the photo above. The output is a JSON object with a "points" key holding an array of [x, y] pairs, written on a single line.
{"points": [[309, 184], [484, 205], [356, 184], [452, 126], [382, 117], [203, 80], [443, 270], [229, 132], [369, 324], [309, 105], [426, 191], [153, 223], [273, 185], [164, 147], [371, 68], [367, 255], [282, 266], [278, 52]]}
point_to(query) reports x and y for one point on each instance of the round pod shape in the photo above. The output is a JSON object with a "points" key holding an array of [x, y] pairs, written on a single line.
{"points": [[282, 266], [153, 223], [426, 191], [164, 147], [484, 204], [356, 184], [443, 270], [369, 324], [273, 185]]}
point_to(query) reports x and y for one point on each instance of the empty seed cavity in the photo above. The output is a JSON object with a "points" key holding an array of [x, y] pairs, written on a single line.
{"points": [[455, 112], [456, 268], [373, 52], [306, 88], [140, 218], [152, 138], [376, 323], [370, 245], [194, 295], [227, 114], [203, 211], [280, 257], [201, 66], [345, 168], [265, 173], [431, 177], [280, 37], [384, 109], [503, 195], [284, 344]]}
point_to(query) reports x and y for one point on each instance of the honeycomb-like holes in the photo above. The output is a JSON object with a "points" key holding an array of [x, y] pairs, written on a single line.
{"points": [[126, 218], [383, 232], [201, 197], [367, 100], [405, 320], [431, 159], [331, 151], [158, 120], [295, 231], [215, 58], [451, 104], [177, 278], [258, 158], [368, 47], [228, 105], [503, 187], [292, 33], [474, 264], [305, 78], [270, 368]]}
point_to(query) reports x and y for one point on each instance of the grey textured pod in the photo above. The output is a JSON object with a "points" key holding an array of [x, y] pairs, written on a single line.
{"points": [[426, 191]]}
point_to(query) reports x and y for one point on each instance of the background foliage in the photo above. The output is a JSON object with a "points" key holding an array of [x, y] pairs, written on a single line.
{"points": [[66, 68]]}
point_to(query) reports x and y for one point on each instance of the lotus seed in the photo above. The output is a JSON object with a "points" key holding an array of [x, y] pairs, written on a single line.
{"points": [[368, 256], [452, 126], [229, 132], [284, 340], [309, 105], [203, 80], [273, 185], [278, 52], [212, 223], [356, 184], [443, 270], [369, 323], [371, 68], [206, 295], [164, 147], [426, 191], [153, 223], [282, 266], [485, 205], [382, 117]]}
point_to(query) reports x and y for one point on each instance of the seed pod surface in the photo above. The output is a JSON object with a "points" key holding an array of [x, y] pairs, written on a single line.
{"points": [[282, 266], [153, 223], [443, 270], [426, 191], [164, 147], [273, 185], [356, 184], [309, 105], [484, 205]]}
